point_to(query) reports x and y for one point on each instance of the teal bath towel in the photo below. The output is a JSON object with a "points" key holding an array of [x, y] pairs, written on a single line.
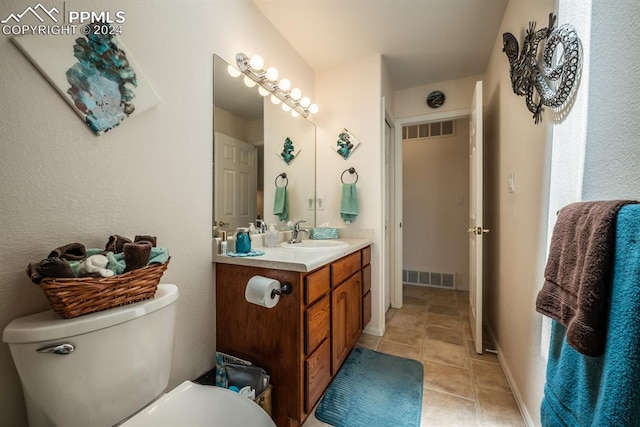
{"points": [[602, 391], [281, 204], [349, 203]]}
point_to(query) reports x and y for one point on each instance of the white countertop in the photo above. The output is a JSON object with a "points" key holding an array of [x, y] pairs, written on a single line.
{"points": [[279, 258]]}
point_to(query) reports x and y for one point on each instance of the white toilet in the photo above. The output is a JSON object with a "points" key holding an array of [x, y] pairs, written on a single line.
{"points": [[112, 367]]}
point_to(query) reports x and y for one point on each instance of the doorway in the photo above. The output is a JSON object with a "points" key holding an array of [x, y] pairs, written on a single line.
{"points": [[419, 226]]}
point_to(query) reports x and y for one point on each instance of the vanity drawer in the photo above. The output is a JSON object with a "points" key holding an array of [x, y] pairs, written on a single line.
{"points": [[317, 369], [316, 284], [366, 279], [366, 255], [345, 267], [316, 325]]}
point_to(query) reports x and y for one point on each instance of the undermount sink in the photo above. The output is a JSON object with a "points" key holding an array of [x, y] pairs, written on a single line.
{"points": [[310, 245]]}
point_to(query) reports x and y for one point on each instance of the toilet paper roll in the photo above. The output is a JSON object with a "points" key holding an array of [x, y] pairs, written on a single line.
{"points": [[259, 290]]}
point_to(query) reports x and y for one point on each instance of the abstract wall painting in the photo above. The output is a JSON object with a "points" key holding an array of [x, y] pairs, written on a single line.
{"points": [[94, 73], [289, 151], [346, 144]]}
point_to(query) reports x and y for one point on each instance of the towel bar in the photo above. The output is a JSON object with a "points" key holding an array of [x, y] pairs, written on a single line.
{"points": [[352, 171], [283, 176]]}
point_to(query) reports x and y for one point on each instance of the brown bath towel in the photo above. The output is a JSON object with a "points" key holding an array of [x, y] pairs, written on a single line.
{"points": [[136, 255], [70, 252], [577, 275], [116, 243]]}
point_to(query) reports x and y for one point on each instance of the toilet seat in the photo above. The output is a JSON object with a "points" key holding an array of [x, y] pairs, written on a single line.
{"points": [[196, 405]]}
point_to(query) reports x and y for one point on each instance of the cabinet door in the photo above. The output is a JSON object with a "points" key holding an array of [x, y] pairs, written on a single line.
{"points": [[346, 318], [316, 325], [318, 376]]}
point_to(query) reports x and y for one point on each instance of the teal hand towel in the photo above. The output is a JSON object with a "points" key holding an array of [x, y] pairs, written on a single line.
{"points": [[281, 204], [349, 203]]}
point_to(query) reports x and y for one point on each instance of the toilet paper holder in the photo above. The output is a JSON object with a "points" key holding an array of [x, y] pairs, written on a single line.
{"points": [[285, 289]]}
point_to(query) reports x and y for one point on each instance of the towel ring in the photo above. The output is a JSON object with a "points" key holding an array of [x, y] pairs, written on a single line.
{"points": [[351, 171], [283, 176]]}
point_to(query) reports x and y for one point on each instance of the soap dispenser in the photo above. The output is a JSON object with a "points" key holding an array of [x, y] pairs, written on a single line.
{"points": [[252, 228], [272, 236]]}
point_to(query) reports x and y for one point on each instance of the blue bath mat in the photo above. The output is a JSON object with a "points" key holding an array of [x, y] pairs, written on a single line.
{"points": [[374, 389]]}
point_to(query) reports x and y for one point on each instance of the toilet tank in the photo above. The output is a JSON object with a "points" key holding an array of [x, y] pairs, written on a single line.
{"points": [[120, 362]]}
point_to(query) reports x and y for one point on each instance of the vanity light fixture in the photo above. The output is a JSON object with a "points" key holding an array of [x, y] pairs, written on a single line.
{"points": [[280, 90]]}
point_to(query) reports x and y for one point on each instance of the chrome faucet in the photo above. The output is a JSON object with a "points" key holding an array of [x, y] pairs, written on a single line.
{"points": [[295, 233]]}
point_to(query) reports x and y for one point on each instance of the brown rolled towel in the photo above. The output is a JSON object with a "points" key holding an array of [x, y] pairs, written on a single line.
{"points": [[136, 255], [150, 239], [70, 252], [116, 243], [32, 272], [54, 267], [578, 272]]}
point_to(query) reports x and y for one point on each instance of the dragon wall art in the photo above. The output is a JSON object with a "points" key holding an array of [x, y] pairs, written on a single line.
{"points": [[555, 85]]}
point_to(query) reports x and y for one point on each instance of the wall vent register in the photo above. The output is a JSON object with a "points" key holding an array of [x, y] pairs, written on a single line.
{"points": [[429, 130], [426, 278]]}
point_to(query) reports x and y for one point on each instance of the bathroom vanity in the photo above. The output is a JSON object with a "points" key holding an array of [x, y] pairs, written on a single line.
{"points": [[305, 338]]}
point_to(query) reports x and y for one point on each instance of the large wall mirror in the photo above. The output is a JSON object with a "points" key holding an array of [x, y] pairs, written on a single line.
{"points": [[250, 134]]}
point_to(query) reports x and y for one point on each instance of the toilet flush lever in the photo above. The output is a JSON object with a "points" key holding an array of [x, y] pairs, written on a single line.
{"points": [[63, 349]]}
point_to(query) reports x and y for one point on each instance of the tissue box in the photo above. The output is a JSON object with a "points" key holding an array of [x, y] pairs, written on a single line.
{"points": [[323, 233]]}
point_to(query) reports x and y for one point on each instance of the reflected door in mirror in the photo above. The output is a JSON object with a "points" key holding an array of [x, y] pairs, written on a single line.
{"points": [[236, 181]]}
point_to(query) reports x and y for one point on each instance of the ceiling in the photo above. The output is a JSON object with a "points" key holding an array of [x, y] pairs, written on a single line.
{"points": [[421, 41]]}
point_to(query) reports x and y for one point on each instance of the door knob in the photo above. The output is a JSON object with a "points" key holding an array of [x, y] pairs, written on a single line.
{"points": [[479, 230]]}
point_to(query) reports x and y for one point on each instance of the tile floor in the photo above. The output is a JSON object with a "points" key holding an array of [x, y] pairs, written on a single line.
{"points": [[461, 388]]}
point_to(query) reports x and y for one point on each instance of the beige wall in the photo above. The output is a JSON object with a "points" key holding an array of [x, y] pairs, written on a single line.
{"points": [[350, 96], [251, 131], [435, 204], [151, 175], [412, 102], [515, 248]]}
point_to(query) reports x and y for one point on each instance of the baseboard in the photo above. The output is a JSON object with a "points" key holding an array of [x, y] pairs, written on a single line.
{"points": [[512, 384], [378, 332]]}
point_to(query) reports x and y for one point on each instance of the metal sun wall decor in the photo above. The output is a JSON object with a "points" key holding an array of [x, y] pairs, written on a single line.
{"points": [[346, 144], [289, 151], [554, 85]]}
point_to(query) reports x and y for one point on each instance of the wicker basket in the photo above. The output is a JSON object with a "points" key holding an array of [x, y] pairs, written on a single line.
{"points": [[77, 296]]}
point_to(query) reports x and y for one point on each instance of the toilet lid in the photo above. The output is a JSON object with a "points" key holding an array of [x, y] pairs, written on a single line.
{"points": [[196, 405]]}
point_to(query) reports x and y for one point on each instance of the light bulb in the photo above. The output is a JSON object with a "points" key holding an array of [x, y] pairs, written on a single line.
{"points": [[271, 74], [275, 99], [294, 113], [286, 107], [248, 82], [233, 72], [305, 102], [256, 62], [296, 93], [313, 108], [262, 91], [284, 84]]}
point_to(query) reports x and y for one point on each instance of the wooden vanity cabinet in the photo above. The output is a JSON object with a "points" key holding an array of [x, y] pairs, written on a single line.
{"points": [[304, 339]]}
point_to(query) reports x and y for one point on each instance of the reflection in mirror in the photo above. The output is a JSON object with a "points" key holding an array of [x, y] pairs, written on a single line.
{"points": [[278, 127], [238, 127], [249, 133]]}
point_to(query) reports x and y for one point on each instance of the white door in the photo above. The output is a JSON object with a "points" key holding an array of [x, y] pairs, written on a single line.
{"points": [[388, 273], [235, 165], [476, 229]]}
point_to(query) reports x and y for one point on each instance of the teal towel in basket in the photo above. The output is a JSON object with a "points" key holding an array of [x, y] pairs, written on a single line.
{"points": [[281, 204], [349, 203]]}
